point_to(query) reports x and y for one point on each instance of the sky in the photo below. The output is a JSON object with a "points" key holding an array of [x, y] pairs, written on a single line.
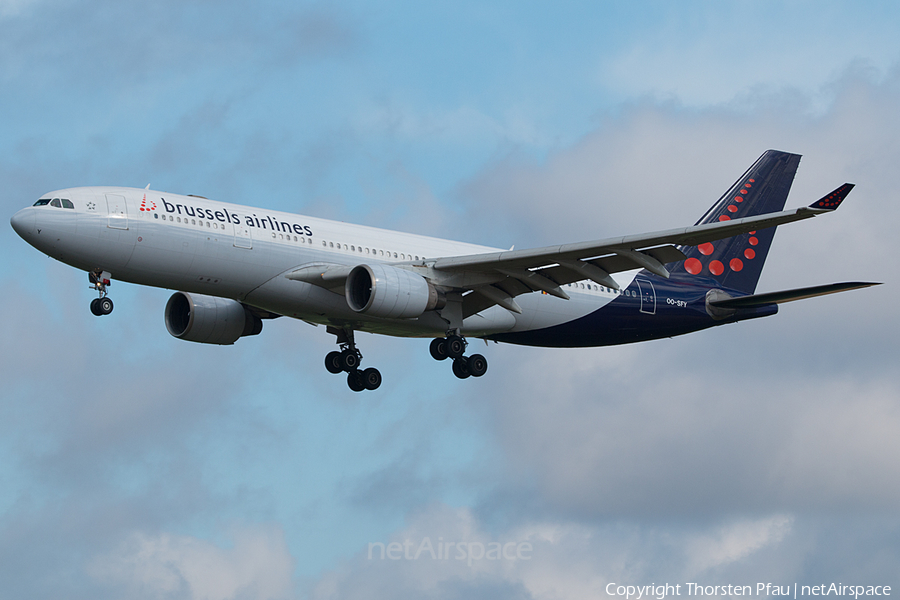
{"points": [[135, 465]]}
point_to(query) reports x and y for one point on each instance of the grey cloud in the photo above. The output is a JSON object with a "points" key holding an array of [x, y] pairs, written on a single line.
{"points": [[110, 43]]}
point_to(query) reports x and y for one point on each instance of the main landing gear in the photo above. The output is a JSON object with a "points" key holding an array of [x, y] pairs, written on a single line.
{"points": [[100, 280], [454, 346], [348, 359]]}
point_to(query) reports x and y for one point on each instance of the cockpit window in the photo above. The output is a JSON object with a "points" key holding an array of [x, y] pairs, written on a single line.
{"points": [[42, 202], [67, 203], [55, 202]]}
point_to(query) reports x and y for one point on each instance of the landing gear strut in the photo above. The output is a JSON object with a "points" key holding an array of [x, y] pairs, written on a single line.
{"points": [[348, 359], [100, 280], [454, 347]]}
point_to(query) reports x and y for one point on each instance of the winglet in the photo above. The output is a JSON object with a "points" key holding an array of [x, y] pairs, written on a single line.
{"points": [[834, 199]]}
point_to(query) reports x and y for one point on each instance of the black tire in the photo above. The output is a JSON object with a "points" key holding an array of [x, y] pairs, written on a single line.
{"points": [[349, 361], [333, 362], [105, 305], [355, 380], [455, 346], [95, 307], [460, 369], [438, 349], [371, 378], [476, 365]]}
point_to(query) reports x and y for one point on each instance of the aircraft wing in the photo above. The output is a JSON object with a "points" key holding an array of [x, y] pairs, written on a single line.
{"points": [[498, 277], [505, 275]]}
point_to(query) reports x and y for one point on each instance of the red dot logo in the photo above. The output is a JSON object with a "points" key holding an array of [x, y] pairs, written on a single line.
{"points": [[693, 266], [706, 249], [732, 208], [724, 218], [743, 191], [716, 267], [736, 264], [753, 241], [749, 253]]}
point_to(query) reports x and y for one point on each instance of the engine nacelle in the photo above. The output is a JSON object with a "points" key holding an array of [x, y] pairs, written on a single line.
{"points": [[209, 320], [391, 293]]}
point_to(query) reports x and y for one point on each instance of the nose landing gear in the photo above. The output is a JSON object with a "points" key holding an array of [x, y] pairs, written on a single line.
{"points": [[348, 360], [100, 280], [454, 347]]}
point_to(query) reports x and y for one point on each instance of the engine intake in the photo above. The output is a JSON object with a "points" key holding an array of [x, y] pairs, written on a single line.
{"points": [[209, 320], [391, 293]]}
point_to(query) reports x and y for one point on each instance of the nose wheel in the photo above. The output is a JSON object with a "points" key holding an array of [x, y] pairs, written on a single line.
{"points": [[348, 359], [454, 347], [101, 306], [100, 280]]}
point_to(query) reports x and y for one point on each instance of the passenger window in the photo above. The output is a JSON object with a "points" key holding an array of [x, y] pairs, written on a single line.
{"points": [[155, 216]]}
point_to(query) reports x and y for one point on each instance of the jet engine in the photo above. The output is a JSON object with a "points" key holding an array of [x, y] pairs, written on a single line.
{"points": [[391, 293], [209, 320]]}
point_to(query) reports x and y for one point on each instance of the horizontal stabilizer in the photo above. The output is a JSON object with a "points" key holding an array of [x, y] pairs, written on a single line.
{"points": [[789, 295]]}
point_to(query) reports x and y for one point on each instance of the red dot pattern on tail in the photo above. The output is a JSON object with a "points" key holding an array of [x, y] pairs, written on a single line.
{"points": [[695, 267]]}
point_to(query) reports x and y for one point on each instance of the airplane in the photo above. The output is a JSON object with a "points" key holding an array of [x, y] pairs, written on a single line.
{"points": [[236, 266]]}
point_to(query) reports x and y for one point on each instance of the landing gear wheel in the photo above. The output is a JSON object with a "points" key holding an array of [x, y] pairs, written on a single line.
{"points": [[460, 369], [476, 365], [95, 307], [349, 360], [105, 305], [355, 380], [455, 346], [333, 362], [371, 378], [438, 349]]}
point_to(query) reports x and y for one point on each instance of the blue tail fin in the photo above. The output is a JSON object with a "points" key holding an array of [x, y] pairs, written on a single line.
{"points": [[737, 262]]}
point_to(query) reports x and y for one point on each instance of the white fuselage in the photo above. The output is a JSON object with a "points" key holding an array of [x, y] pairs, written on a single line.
{"points": [[203, 246]]}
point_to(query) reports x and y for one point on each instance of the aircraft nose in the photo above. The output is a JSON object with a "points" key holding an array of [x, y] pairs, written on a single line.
{"points": [[23, 222]]}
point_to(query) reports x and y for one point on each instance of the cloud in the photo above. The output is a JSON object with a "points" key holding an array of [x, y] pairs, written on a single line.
{"points": [[734, 541], [552, 559], [257, 566]]}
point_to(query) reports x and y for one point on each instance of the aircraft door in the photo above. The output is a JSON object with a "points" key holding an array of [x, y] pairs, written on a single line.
{"points": [[648, 296], [118, 212], [242, 238]]}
